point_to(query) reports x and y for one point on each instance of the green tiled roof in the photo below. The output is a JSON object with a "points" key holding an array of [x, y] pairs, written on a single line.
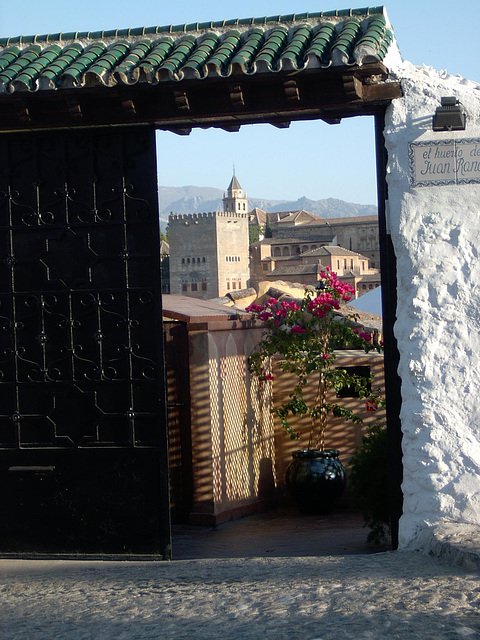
{"points": [[194, 51]]}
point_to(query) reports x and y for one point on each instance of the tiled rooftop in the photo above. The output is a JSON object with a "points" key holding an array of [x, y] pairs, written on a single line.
{"points": [[193, 51], [334, 250], [290, 269], [347, 220]]}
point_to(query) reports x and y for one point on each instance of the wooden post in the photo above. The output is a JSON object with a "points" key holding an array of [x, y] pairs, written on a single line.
{"points": [[389, 303]]}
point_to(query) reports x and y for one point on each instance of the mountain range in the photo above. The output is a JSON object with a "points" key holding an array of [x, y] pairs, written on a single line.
{"points": [[192, 199]]}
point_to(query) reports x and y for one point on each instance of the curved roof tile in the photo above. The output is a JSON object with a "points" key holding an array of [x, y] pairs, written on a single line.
{"points": [[193, 51]]}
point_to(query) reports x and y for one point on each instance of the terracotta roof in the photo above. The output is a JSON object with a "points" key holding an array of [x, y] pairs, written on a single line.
{"points": [[370, 277], [169, 53], [300, 241], [347, 220], [286, 217], [303, 269], [332, 250], [257, 216]]}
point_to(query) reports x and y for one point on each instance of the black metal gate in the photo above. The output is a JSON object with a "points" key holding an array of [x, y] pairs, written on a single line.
{"points": [[83, 458]]}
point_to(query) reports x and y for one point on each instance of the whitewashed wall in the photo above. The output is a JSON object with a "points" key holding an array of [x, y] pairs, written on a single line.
{"points": [[436, 235]]}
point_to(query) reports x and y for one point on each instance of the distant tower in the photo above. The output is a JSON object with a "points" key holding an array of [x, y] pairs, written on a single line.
{"points": [[209, 252], [235, 200]]}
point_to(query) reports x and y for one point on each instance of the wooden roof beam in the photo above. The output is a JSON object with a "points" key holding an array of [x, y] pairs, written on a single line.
{"points": [[236, 96]]}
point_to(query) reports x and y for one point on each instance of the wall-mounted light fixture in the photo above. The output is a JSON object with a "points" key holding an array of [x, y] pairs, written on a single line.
{"points": [[449, 117]]}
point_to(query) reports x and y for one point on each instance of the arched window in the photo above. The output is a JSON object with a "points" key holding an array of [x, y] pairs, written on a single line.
{"points": [[285, 251], [277, 251], [183, 260]]}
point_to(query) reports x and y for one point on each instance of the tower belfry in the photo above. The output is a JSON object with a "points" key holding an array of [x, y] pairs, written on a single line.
{"points": [[235, 200]]}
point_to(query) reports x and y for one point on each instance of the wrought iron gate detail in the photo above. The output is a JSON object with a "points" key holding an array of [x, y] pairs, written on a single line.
{"points": [[81, 359]]}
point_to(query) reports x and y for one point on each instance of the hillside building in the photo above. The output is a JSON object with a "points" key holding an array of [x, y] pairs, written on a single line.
{"points": [[358, 234], [305, 266], [210, 254]]}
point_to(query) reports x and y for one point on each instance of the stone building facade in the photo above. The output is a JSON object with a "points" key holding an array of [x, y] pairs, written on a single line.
{"points": [[209, 255], [358, 234], [303, 261]]}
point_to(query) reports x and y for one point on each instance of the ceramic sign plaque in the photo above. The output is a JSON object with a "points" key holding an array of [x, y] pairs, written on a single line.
{"points": [[441, 162]]}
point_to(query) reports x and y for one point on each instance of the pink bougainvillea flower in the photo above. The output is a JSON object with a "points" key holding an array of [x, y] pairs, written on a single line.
{"points": [[366, 336], [297, 329]]}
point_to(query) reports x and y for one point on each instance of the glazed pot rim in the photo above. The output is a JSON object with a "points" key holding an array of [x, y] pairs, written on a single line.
{"points": [[315, 453]]}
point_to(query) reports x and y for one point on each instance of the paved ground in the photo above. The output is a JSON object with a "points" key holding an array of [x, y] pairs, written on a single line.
{"points": [[372, 596], [282, 532], [387, 596]]}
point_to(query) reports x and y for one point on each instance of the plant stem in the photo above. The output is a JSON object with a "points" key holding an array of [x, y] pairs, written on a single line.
{"points": [[317, 436]]}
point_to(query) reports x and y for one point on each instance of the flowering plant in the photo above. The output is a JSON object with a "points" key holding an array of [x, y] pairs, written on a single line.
{"points": [[305, 334]]}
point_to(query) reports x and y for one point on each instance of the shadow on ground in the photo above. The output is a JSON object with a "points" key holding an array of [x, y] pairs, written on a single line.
{"points": [[282, 532]]}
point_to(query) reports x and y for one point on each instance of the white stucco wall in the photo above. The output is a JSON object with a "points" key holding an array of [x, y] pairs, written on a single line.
{"points": [[436, 236]]}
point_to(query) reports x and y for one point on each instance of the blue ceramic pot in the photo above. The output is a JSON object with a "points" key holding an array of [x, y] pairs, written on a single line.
{"points": [[315, 479]]}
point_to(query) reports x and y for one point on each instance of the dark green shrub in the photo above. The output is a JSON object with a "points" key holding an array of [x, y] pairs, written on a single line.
{"points": [[368, 480]]}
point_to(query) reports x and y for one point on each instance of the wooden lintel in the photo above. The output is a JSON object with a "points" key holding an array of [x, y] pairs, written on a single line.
{"points": [[331, 119], [22, 111], [382, 91], [370, 88], [181, 100], [181, 132], [291, 90], [236, 96], [375, 69], [128, 107], [231, 128], [74, 109], [352, 86]]}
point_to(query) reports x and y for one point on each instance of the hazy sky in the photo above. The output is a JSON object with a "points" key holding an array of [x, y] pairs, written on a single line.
{"points": [[310, 158]]}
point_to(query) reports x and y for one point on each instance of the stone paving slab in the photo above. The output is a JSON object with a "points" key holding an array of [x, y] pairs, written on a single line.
{"points": [[385, 596]]}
